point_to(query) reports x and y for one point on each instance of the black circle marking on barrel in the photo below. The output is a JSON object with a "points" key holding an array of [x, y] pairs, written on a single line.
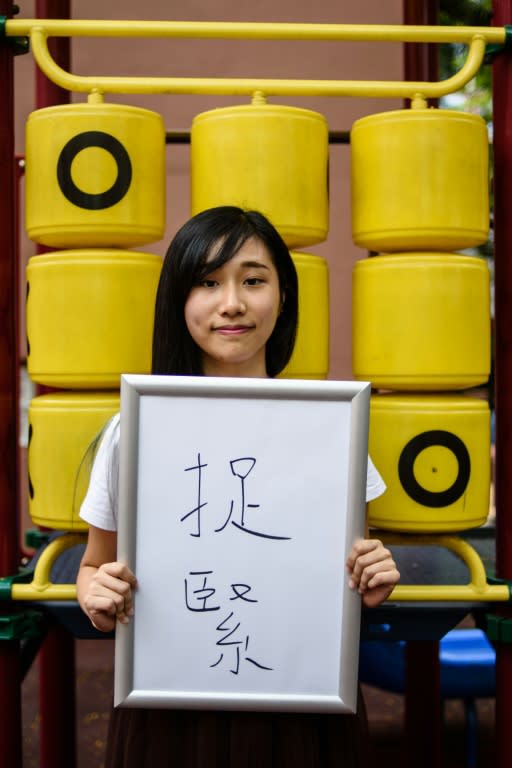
{"points": [[26, 302], [406, 468], [101, 200], [30, 485]]}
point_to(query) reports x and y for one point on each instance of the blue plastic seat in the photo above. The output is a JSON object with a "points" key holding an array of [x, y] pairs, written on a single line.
{"points": [[467, 667]]}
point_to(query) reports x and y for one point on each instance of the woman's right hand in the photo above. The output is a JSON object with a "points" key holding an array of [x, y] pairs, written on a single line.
{"points": [[108, 597]]}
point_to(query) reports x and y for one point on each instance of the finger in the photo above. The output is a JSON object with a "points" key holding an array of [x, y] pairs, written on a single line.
{"points": [[103, 621], [112, 596], [384, 578], [386, 570], [113, 601], [104, 584], [119, 571], [125, 611], [375, 555], [361, 547], [101, 616], [374, 576], [374, 597]]}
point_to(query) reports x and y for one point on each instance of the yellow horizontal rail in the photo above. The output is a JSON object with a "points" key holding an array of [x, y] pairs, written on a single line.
{"points": [[255, 30], [41, 588], [40, 29], [477, 589]]}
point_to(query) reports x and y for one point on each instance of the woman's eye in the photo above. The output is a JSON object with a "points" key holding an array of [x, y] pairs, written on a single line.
{"points": [[208, 283], [254, 280]]}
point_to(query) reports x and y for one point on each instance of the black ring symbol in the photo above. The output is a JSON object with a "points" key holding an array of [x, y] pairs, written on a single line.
{"points": [[406, 468], [94, 202], [30, 486]]}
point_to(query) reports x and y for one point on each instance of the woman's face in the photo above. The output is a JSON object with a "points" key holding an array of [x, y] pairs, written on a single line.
{"points": [[232, 312]]}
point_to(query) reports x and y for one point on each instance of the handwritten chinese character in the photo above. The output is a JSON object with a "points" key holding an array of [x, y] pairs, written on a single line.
{"points": [[197, 509], [200, 595], [241, 468], [226, 641]]}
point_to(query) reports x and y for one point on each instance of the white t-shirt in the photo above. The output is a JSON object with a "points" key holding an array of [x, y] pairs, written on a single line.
{"points": [[99, 507]]}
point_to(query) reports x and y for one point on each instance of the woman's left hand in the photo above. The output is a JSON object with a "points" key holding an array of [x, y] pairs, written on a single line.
{"points": [[372, 571]]}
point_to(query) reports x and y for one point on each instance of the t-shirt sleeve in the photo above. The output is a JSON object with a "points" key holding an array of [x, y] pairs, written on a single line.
{"points": [[375, 485], [99, 507]]}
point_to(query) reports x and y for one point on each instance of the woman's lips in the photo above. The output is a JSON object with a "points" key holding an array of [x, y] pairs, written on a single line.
{"points": [[232, 330]]}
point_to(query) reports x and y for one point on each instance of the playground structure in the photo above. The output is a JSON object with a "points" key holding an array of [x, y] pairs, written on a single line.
{"points": [[417, 92]]}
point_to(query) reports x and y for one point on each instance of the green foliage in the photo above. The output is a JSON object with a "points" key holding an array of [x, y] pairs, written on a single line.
{"points": [[476, 97], [472, 13]]}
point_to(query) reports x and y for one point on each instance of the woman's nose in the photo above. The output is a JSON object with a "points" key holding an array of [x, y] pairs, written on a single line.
{"points": [[232, 302]]}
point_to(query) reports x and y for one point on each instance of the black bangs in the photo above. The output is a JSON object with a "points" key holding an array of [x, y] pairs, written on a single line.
{"points": [[229, 247]]}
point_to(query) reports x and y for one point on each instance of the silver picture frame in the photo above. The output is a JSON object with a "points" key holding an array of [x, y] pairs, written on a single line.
{"points": [[239, 501]]}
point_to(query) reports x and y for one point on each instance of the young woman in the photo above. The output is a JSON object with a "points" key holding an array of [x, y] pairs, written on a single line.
{"points": [[226, 306]]}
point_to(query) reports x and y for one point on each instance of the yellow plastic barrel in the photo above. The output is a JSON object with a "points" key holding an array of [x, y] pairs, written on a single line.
{"points": [[421, 321], [62, 429], [433, 452], [419, 180], [270, 158], [310, 358], [95, 176], [90, 316]]}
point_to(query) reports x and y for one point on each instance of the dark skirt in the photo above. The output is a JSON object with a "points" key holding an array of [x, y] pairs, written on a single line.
{"points": [[140, 738]]}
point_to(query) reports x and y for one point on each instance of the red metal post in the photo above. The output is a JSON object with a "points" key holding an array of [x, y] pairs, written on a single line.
{"points": [[47, 93], [10, 670], [423, 705], [57, 680], [421, 60], [502, 122], [57, 701]]}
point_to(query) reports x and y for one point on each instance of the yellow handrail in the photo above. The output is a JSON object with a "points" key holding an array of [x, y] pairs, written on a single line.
{"points": [[255, 30], [41, 588], [40, 29], [477, 589]]}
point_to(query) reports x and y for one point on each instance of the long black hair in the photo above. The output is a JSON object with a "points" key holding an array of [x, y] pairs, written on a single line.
{"points": [[185, 264]]}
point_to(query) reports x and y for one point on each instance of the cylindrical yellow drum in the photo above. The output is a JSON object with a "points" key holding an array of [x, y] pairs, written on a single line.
{"points": [[269, 158], [62, 431], [420, 180], [434, 455], [90, 316], [310, 358], [95, 176], [421, 321]]}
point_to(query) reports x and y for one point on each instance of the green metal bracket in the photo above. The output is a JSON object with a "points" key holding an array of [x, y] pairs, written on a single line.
{"points": [[493, 580], [25, 576], [491, 51], [499, 629], [19, 626], [35, 539], [500, 582], [20, 45]]}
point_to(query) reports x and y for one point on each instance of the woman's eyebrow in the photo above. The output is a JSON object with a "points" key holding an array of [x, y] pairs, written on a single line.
{"points": [[254, 265]]}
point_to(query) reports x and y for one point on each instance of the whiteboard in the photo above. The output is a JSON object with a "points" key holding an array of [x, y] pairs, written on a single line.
{"points": [[239, 502]]}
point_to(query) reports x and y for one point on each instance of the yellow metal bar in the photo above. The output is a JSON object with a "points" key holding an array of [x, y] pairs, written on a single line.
{"points": [[243, 86], [476, 589], [50, 593], [41, 588], [449, 593], [255, 30]]}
